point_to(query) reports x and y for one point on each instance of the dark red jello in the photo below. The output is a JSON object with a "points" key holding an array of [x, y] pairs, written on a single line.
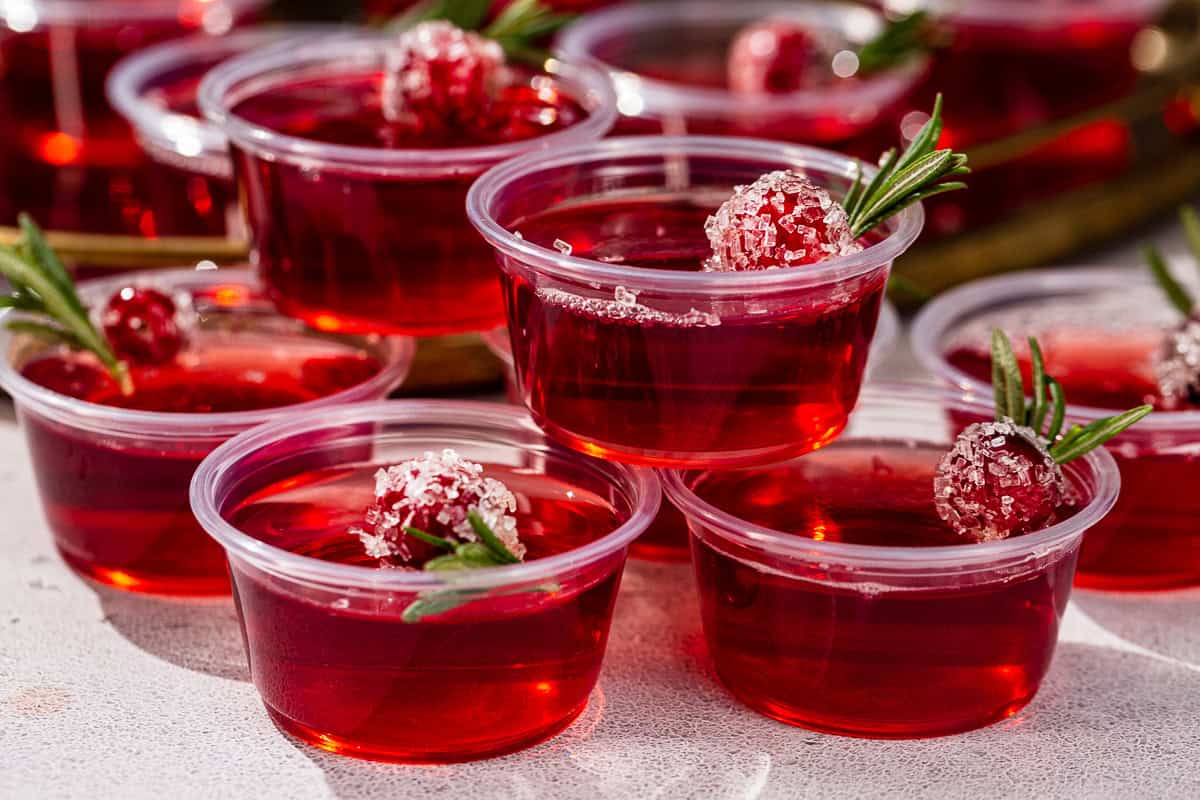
{"points": [[113, 469], [357, 222]]}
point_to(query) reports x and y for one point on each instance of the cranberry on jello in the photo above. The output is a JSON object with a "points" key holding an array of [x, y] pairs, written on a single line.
{"points": [[353, 157], [199, 356]]}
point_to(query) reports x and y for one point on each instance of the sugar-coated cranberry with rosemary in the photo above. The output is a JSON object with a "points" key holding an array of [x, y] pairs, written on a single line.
{"points": [[141, 326], [773, 56], [438, 75], [999, 480], [434, 494], [781, 220], [1177, 366]]}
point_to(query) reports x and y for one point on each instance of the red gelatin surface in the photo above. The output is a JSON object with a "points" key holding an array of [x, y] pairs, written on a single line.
{"points": [[642, 386], [118, 504], [1151, 539], [67, 158], [354, 252], [492, 676], [812, 648]]}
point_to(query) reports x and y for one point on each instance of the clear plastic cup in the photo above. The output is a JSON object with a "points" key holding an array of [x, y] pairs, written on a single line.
{"points": [[821, 621], [154, 90], [365, 238], [335, 651], [113, 481], [67, 157], [1109, 319], [668, 62], [671, 367]]}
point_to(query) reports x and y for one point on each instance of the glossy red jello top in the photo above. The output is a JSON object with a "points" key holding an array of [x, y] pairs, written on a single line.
{"points": [[347, 109]]}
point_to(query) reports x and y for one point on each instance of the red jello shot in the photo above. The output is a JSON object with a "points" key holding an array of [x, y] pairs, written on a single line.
{"points": [[624, 347], [113, 470], [391, 663], [66, 156], [358, 225], [1100, 330], [835, 598], [154, 90], [671, 64]]}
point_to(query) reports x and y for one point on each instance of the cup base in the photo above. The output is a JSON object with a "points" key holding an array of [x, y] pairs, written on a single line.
{"points": [[369, 751], [147, 582]]}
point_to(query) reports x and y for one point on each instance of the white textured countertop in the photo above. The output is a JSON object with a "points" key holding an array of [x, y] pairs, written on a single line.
{"points": [[104, 694]]}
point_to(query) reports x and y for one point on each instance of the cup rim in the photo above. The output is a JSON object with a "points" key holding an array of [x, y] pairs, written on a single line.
{"points": [[941, 314], [362, 50], [66, 11], [578, 40], [397, 354], [293, 566], [485, 191], [192, 139], [915, 559]]}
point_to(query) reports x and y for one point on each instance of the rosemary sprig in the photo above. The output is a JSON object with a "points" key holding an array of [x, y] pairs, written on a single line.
{"points": [[1009, 388], [44, 291], [920, 172], [520, 28], [900, 40], [1176, 293], [489, 551]]}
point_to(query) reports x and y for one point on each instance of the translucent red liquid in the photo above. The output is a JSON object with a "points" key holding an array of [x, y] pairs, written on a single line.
{"points": [[670, 388], [353, 251], [67, 158], [810, 645], [346, 673], [118, 503], [1151, 539]]}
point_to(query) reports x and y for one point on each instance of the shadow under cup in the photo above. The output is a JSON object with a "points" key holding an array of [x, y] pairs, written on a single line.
{"points": [[500, 658], [676, 366]]}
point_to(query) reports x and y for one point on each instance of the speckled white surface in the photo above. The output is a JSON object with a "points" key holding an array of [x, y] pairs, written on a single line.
{"points": [[104, 694]]}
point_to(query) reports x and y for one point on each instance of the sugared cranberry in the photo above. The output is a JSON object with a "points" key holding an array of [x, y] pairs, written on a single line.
{"points": [[141, 326], [1177, 366], [434, 494], [775, 56], [781, 220], [999, 480], [438, 75]]}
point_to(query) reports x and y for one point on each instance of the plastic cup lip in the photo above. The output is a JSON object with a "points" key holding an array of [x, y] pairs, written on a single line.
{"points": [[242, 76], [1040, 14], [910, 559], [943, 313], [30, 13], [579, 39], [214, 469], [485, 192], [397, 354], [181, 138]]}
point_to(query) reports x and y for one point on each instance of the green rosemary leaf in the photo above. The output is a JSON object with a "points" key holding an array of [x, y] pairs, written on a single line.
{"points": [[22, 300], [1191, 229], [856, 190], [887, 162], [490, 538], [999, 388], [440, 602], [1097, 433], [1073, 433], [1173, 289], [925, 142], [47, 333], [1014, 387], [36, 272], [1037, 414], [429, 538], [899, 41], [1058, 404], [466, 14]]}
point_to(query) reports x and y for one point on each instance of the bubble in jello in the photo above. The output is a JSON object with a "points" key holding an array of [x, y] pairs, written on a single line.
{"points": [[781, 220], [999, 480], [434, 494]]}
